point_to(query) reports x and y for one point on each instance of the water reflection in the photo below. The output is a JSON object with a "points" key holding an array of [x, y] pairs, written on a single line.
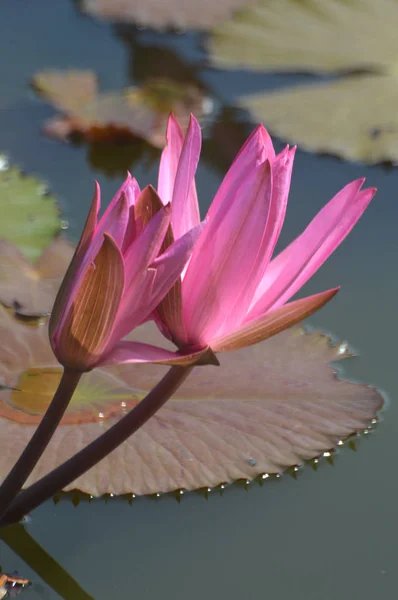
{"points": [[45, 566]]}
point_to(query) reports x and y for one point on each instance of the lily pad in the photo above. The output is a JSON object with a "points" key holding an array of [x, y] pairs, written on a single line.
{"points": [[115, 115], [297, 35], [366, 131], [266, 408], [181, 14], [31, 289], [29, 214], [292, 35]]}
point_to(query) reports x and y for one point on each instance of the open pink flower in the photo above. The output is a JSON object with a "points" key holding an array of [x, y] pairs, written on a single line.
{"points": [[116, 279], [233, 292]]}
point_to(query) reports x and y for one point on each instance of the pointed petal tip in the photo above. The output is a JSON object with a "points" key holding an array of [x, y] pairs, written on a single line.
{"points": [[108, 239], [193, 122], [360, 181], [172, 123], [273, 322], [97, 193], [208, 358], [332, 292]]}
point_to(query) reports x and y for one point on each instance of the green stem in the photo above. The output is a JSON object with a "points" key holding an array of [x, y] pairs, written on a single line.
{"points": [[20, 472], [65, 474]]}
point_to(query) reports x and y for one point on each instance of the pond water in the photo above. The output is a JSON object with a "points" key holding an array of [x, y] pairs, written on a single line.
{"points": [[330, 533]]}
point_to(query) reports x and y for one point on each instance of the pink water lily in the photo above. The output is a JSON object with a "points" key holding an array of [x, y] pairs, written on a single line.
{"points": [[116, 279], [234, 292]]}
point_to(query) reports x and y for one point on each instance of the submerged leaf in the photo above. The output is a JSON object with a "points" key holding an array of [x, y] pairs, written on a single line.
{"points": [[183, 14], [354, 116], [29, 215], [31, 289], [116, 115], [267, 408], [365, 130]]}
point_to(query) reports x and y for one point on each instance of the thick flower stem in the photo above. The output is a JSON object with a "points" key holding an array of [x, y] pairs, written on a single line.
{"points": [[14, 481], [69, 471]]}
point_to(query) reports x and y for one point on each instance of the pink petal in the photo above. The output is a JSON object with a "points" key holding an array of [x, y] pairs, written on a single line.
{"points": [[185, 208], [288, 272], [168, 270], [131, 230], [222, 260], [130, 188], [146, 246], [137, 352], [281, 176], [90, 321], [273, 322], [170, 264], [169, 160], [134, 308], [114, 222], [75, 270], [255, 151]]}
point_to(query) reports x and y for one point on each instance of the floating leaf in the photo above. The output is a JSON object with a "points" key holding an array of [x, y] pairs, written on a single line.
{"points": [[29, 215], [116, 115], [354, 116], [31, 289], [297, 35], [266, 408], [365, 131], [181, 14], [29, 375]]}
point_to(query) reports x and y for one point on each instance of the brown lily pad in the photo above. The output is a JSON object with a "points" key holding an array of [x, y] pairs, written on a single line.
{"points": [[28, 289], [115, 115], [181, 14], [266, 408]]}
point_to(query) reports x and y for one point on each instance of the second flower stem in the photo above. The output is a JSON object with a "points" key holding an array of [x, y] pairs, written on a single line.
{"points": [[16, 478], [69, 471]]}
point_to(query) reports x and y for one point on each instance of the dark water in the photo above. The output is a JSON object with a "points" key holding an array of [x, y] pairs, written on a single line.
{"points": [[330, 534]]}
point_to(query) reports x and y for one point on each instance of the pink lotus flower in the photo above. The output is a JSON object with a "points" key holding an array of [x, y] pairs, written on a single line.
{"points": [[116, 279], [233, 292]]}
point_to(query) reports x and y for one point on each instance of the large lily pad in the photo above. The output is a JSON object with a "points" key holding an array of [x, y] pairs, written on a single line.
{"points": [[266, 408], [29, 214], [31, 289], [181, 14], [310, 36], [354, 116], [115, 115], [366, 131]]}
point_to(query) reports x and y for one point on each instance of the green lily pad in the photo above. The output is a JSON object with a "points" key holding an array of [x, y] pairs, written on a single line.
{"points": [[365, 131], [29, 214], [354, 116], [266, 408], [310, 36]]}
